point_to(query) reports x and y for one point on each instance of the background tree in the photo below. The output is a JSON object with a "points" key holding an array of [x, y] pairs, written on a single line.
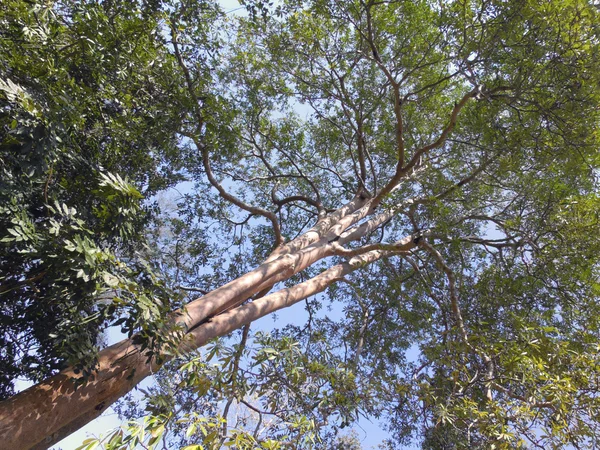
{"points": [[443, 193]]}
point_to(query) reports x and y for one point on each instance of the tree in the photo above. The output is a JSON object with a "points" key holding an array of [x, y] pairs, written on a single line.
{"points": [[77, 113], [443, 190]]}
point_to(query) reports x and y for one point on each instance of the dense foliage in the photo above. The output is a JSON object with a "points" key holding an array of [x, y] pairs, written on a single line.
{"points": [[87, 130], [473, 126]]}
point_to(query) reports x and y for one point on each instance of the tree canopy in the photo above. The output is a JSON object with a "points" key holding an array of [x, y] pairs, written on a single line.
{"points": [[89, 124], [422, 174]]}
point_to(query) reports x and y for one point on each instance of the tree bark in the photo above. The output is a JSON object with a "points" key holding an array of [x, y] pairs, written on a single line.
{"points": [[51, 410]]}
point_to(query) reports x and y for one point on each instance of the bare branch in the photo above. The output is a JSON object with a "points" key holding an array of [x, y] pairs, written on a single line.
{"points": [[298, 198], [231, 198], [292, 162], [402, 246], [193, 289]]}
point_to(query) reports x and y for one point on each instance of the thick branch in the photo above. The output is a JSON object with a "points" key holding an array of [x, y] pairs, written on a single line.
{"points": [[249, 312], [321, 228]]}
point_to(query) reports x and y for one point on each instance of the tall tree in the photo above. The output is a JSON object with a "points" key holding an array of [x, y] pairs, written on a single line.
{"points": [[443, 190]]}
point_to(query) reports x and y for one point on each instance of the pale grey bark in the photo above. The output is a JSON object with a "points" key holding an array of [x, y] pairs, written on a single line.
{"points": [[49, 411]]}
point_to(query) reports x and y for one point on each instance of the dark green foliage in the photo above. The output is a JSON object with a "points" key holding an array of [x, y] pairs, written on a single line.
{"points": [[86, 133]]}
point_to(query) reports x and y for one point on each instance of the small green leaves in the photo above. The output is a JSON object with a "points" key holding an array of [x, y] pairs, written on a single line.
{"points": [[89, 444]]}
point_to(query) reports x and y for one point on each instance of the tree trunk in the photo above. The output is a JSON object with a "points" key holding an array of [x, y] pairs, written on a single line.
{"points": [[51, 410]]}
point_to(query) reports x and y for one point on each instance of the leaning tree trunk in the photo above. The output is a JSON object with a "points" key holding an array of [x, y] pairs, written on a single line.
{"points": [[51, 410]]}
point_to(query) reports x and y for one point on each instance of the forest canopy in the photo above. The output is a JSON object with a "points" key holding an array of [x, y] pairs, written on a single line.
{"points": [[418, 180]]}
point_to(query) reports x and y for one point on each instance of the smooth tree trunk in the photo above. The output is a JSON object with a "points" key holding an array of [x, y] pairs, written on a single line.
{"points": [[51, 410]]}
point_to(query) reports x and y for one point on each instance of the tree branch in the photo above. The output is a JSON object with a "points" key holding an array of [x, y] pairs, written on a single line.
{"points": [[415, 161], [402, 246], [244, 314], [204, 150], [231, 198], [451, 285]]}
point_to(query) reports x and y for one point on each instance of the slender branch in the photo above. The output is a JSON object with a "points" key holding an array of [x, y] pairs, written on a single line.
{"points": [[416, 159], [361, 336], [204, 150], [465, 180], [260, 418], [239, 353], [361, 145], [457, 313], [451, 285], [243, 222], [231, 198], [225, 414], [293, 163], [402, 246], [395, 88], [446, 131], [296, 198], [192, 289], [232, 380], [188, 78], [532, 402], [449, 190]]}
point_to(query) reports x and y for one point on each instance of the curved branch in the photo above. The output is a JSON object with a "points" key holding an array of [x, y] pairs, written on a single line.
{"points": [[449, 190], [298, 198], [446, 131], [204, 150], [416, 159], [232, 380], [232, 199], [260, 414], [292, 162], [402, 246]]}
